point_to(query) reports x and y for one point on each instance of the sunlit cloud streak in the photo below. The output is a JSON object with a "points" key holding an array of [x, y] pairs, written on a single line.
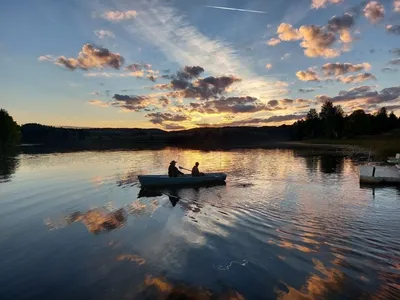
{"points": [[164, 27], [118, 16], [99, 103], [102, 34], [236, 9]]}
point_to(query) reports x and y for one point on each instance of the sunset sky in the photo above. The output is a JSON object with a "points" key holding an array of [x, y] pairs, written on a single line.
{"points": [[182, 64]]}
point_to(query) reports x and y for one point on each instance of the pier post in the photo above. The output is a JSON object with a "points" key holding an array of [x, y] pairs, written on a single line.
{"points": [[373, 172]]}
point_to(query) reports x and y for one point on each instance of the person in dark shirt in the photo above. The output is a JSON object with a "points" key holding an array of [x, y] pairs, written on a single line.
{"points": [[173, 170], [195, 170]]}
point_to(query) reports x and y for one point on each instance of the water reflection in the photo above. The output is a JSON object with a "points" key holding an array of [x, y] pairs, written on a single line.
{"points": [[282, 216], [160, 288], [8, 166], [325, 283], [96, 220], [331, 164]]}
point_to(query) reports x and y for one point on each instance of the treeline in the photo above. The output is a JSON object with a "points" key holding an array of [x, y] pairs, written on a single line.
{"points": [[123, 137], [332, 123], [10, 132]]}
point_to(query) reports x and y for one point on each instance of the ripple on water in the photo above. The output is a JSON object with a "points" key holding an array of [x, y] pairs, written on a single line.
{"points": [[286, 225]]}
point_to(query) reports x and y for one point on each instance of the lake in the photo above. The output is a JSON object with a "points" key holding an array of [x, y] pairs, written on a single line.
{"points": [[287, 225]]}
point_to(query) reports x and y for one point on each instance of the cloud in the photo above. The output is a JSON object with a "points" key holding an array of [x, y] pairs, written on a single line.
{"points": [[91, 57], [394, 29], [138, 103], [316, 4], [236, 9], [173, 127], [308, 75], [151, 78], [374, 11], [186, 84], [395, 51], [273, 103], [302, 101], [339, 23], [363, 94], [285, 56], [335, 69], [273, 42], [102, 34], [308, 90], [272, 119], [192, 71], [159, 118], [268, 66], [98, 103], [286, 32], [342, 26], [317, 41], [396, 5], [286, 101], [357, 78], [134, 67], [281, 84], [389, 70], [395, 61], [233, 105], [117, 16], [164, 27], [46, 58]]}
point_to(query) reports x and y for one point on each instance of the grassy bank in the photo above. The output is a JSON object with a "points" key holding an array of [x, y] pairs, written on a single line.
{"points": [[378, 147]]}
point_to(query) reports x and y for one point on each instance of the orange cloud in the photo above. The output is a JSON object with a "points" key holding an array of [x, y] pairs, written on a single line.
{"points": [[396, 5], [98, 103], [286, 32], [91, 57], [273, 42], [117, 16], [357, 78], [316, 4], [374, 11], [308, 75]]}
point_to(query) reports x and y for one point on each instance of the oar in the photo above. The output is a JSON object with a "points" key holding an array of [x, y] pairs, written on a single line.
{"points": [[182, 168]]}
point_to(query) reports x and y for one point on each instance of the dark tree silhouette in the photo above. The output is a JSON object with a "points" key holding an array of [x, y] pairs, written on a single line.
{"points": [[9, 130], [332, 122]]}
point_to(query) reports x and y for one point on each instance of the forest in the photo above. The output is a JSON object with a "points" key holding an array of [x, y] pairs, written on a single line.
{"points": [[332, 123]]}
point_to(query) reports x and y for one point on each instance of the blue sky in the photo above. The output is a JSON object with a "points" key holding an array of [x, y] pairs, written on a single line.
{"points": [[130, 63]]}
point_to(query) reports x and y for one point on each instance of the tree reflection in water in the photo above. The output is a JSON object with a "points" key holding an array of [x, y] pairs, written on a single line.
{"points": [[8, 166]]}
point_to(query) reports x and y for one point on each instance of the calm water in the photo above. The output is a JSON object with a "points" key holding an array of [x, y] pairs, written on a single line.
{"points": [[287, 225]]}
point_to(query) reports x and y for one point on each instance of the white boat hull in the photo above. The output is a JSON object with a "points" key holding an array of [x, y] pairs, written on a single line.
{"points": [[165, 180]]}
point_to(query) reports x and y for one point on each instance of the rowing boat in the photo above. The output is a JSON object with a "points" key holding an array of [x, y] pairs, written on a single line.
{"points": [[165, 180]]}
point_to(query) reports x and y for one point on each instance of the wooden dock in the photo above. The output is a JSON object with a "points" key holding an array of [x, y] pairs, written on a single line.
{"points": [[379, 174]]}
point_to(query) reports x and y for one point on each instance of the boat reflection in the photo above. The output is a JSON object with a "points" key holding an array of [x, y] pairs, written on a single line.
{"points": [[175, 194]]}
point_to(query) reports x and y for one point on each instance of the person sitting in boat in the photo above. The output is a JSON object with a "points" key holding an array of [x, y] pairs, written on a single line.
{"points": [[173, 170], [195, 170]]}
